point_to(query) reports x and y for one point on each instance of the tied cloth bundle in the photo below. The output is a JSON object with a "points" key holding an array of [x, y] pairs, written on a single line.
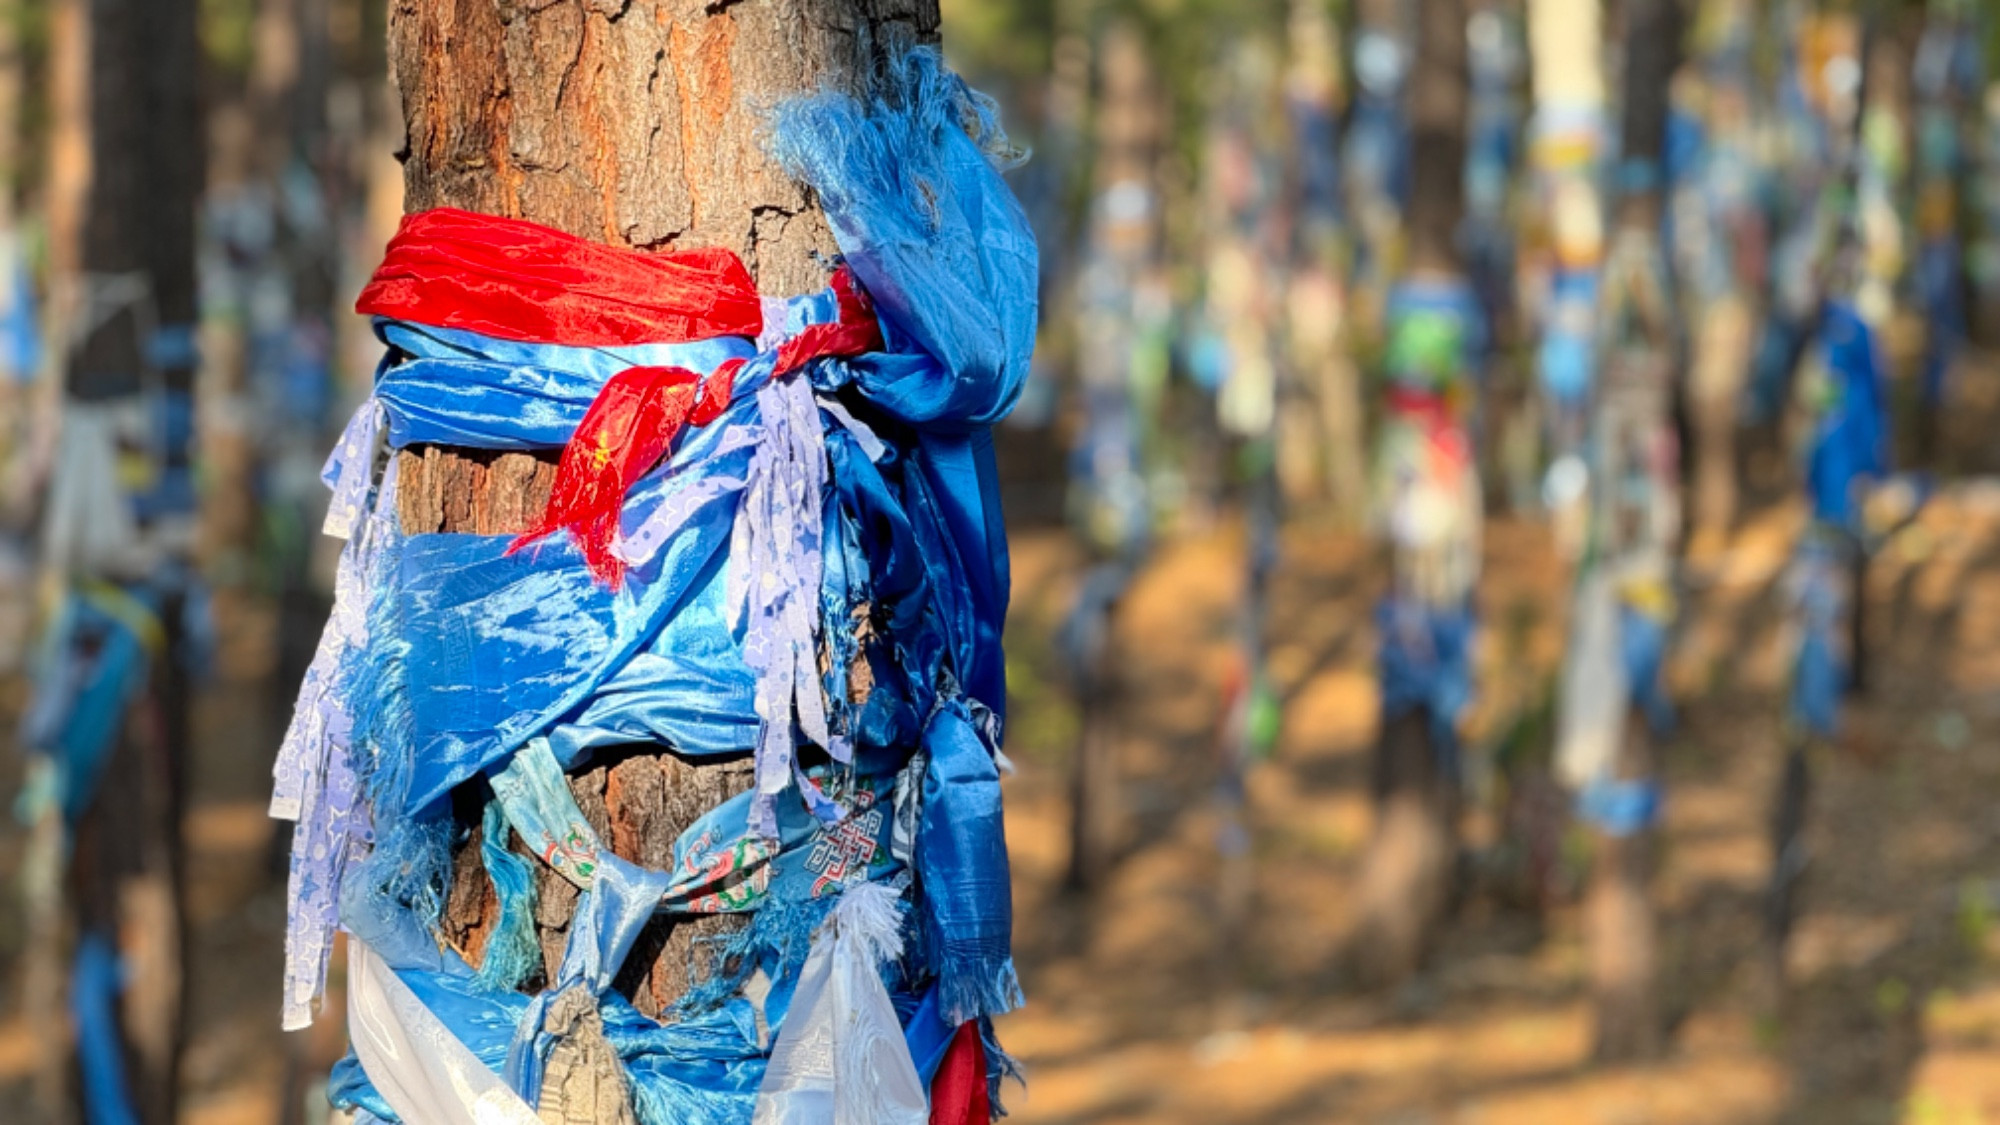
{"points": [[1427, 491], [1847, 461], [742, 481]]}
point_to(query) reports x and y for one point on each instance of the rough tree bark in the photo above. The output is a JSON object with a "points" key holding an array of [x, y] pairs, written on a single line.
{"points": [[634, 123], [1407, 876], [1619, 919]]}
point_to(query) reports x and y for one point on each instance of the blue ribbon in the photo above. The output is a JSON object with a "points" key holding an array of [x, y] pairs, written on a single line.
{"points": [[1425, 662], [98, 980], [1643, 639], [93, 664], [1621, 808], [1851, 442]]}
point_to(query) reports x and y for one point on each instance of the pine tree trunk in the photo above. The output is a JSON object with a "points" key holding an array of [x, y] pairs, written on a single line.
{"points": [[634, 123], [1406, 881], [1124, 244], [1622, 929], [1322, 456], [1438, 113], [126, 170]]}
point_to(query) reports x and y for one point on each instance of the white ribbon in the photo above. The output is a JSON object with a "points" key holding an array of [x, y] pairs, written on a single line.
{"points": [[841, 1058], [414, 1061]]}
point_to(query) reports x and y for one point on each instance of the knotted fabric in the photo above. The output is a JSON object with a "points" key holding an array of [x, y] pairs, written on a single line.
{"points": [[758, 505]]}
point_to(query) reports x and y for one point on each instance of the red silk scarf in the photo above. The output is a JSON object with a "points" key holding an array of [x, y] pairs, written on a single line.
{"points": [[516, 280]]}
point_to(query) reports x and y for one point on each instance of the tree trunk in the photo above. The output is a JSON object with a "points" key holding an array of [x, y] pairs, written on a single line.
{"points": [[1406, 881], [634, 123], [1438, 110], [1724, 327], [41, 967], [125, 176], [1619, 912], [1620, 928], [1408, 874], [1124, 241], [1566, 44], [1320, 451]]}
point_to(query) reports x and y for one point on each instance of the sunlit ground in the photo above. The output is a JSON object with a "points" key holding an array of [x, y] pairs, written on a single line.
{"points": [[1142, 1012]]}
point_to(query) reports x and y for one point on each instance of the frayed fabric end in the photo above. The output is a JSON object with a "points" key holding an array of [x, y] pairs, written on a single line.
{"points": [[514, 952], [976, 985], [1001, 1068], [886, 148]]}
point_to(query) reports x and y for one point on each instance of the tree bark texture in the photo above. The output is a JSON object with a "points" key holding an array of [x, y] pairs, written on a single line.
{"points": [[1621, 928], [1407, 878], [1438, 111], [140, 176], [1652, 54], [636, 123], [632, 122]]}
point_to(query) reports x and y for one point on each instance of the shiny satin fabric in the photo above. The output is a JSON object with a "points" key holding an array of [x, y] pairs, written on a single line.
{"points": [[454, 387], [419, 1069], [962, 855], [499, 649], [1850, 443], [508, 645], [608, 918], [503, 647], [707, 1065], [946, 253], [518, 280]]}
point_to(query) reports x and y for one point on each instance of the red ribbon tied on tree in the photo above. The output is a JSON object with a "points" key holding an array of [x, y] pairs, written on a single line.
{"points": [[516, 280], [628, 428]]}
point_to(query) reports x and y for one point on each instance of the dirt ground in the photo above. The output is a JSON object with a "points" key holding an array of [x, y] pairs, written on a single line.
{"points": [[1142, 1011]]}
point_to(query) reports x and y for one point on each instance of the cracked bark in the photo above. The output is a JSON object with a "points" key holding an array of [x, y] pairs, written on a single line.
{"points": [[634, 123]]}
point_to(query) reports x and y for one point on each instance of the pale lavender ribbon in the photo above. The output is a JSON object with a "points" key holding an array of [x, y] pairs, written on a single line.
{"points": [[774, 582], [349, 472], [315, 783]]}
